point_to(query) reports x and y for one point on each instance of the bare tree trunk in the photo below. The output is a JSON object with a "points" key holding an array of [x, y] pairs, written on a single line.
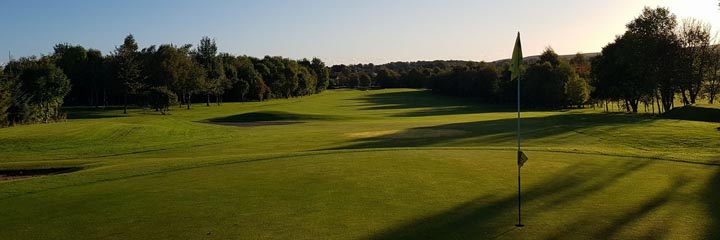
{"points": [[713, 85], [633, 105], [606, 106], [667, 100], [652, 104], [92, 99], [104, 103], [693, 95], [189, 101], [126, 103]]}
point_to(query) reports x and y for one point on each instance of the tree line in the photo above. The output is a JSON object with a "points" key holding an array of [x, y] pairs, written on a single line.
{"points": [[655, 62], [33, 89], [658, 60], [549, 81]]}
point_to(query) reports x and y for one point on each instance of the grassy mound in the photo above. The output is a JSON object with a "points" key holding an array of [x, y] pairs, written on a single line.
{"points": [[704, 113], [269, 116]]}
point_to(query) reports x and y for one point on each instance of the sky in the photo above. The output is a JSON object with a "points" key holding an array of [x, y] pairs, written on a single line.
{"points": [[337, 31]]}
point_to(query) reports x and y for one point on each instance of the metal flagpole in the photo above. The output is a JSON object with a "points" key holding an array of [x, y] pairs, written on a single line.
{"points": [[518, 154]]}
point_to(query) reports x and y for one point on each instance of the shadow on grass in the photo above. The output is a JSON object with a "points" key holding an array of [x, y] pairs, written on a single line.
{"points": [[269, 116], [441, 105], [93, 113], [483, 219], [694, 113], [711, 197], [494, 131], [646, 208], [13, 174]]}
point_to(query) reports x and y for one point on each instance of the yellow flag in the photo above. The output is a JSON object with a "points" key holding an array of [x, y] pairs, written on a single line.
{"points": [[517, 59]]}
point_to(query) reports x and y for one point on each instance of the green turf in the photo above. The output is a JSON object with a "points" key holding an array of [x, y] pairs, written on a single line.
{"points": [[387, 164]]}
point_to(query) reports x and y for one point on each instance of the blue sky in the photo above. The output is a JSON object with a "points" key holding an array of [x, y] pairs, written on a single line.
{"points": [[339, 31]]}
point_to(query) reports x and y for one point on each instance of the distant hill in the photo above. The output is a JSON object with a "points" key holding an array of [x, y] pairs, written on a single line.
{"points": [[450, 63], [536, 57]]}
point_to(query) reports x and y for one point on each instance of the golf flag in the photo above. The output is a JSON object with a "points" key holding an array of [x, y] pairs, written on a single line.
{"points": [[515, 63], [522, 158], [517, 59]]}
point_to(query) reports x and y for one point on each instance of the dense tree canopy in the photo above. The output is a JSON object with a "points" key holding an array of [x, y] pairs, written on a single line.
{"points": [[37, 89], [155, 77], [653, 61], [128, 68], [6, 99], [546, 80]]}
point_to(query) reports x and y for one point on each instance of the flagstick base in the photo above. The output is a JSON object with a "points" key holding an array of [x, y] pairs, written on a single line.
{"points": [[519, 225]]}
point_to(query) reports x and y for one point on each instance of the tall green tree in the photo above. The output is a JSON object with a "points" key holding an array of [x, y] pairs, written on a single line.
{"points": [[647, 62], [694, 36], [659, 52], [713, 83], [73, 61], [307, 81], [5, 98], [322, 73], [280, 75], [290, 69], [98, 77], [618, 75], [257, 87], [45, 86], [215, 80], [129, 68], [178, 72], [243, 85], [364, 81], [230, 65], [578, 91], [387, 78], [546, 81]]}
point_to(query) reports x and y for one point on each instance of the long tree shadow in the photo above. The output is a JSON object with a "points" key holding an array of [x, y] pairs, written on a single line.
{"points": [[92, 113], [493, 131], [694, 113], [711, 196], [270, 116], [646, 208], [426, 104], [658, 230], [483, 219]]}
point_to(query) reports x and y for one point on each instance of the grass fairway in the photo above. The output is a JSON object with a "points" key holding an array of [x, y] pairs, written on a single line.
{"points": [[387, 164]]}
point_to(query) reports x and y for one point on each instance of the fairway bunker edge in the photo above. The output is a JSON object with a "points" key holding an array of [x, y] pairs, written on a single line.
{"points": [[9, 175]]}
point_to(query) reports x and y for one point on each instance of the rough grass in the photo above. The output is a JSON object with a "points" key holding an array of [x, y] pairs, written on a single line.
{"points": [[390, 164]]}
